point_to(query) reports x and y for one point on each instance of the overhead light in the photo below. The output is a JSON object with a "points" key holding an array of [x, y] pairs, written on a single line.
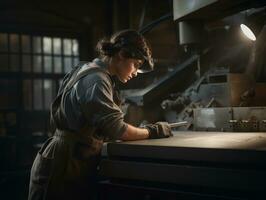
{"points": [[248, 32], [254, 24]]}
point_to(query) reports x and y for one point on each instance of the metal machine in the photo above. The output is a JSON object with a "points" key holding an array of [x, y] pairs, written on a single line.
{"points": [[221, 152]]}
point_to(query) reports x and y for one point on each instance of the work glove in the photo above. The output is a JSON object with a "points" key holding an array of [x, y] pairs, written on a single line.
{"points": [[159, 130]]}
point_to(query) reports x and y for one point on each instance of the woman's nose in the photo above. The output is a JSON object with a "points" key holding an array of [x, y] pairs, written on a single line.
{"points": [[135, 73]]}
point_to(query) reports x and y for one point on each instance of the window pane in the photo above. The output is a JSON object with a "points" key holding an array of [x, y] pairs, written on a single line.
{"points": [[37, 94], [57, 46], [67, 46], [27, 94], [37, 45], [14, 63], [37, 63], [3, 62], [76, 61], [47, 64], [14, 42], [48, 93], [26, 63], [3, 42], [47, 45], [67, 64], [75, 47], [58, 64], [8, 93], [25, 40]]}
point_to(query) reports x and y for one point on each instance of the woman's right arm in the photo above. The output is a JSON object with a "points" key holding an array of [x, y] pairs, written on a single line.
{"points": [[134, 133]]}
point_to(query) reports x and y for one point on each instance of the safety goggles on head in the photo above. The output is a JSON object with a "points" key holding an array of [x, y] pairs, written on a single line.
{"points": [[148, 63]]}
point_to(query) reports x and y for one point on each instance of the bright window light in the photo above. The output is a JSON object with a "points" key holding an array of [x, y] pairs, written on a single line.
{"points": [[248, 33]]}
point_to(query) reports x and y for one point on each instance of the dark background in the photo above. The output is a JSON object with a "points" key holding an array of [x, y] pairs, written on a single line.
{"points": [[39, 42]]}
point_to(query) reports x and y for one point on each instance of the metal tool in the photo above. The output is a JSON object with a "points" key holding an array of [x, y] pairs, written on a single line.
{"points": [[177, 124], [173, 125]]}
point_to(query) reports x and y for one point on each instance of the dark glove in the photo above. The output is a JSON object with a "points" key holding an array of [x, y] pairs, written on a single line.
{"points": [[159, 130]]}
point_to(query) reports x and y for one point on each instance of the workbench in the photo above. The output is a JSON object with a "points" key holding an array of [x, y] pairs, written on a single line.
{"points": [[228, 165]]}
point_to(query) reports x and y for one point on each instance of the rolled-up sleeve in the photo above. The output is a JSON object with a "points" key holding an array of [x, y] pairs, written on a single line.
{"points": [[101, 111]]}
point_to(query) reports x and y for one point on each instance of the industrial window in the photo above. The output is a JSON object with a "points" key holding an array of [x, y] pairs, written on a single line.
{"points": [[31, 68]]}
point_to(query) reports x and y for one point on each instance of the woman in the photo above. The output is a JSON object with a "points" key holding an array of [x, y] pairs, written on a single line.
{"points": [[84, 114]]}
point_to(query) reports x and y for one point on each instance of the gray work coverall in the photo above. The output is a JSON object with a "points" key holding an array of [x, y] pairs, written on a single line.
{"points": [[66, 165]]}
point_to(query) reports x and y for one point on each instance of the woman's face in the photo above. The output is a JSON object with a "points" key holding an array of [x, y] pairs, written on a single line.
{"points": [[127, 68]]}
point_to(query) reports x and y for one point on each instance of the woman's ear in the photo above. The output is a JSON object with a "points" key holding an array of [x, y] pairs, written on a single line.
{"points": [[121, 55]]}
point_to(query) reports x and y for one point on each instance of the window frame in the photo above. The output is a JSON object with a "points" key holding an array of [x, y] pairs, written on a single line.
{"points": [[24, 117]]}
